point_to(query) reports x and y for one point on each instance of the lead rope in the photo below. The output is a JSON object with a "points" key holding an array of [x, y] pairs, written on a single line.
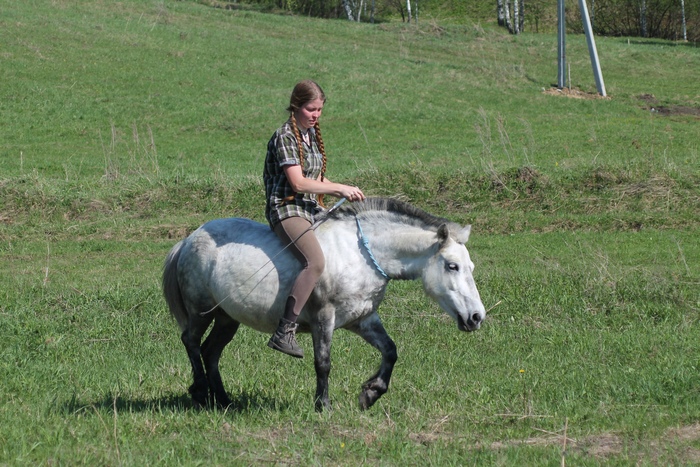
{"points": [[365, 242]]}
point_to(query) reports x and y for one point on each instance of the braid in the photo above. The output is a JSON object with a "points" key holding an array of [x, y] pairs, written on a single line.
{"points": [[322, 148]]}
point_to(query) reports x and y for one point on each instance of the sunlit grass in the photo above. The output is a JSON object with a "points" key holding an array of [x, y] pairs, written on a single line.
{"points": [[124, 126]]}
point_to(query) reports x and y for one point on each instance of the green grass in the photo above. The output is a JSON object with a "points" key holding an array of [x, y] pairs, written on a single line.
{"points": [[123, 126], [150, 87]]}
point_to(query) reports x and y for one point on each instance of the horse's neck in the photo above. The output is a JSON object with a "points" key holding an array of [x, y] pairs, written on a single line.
{"points": [[400, 250]]}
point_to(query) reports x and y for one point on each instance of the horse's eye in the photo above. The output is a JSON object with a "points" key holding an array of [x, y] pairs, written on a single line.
{"points": [[453, 266]]}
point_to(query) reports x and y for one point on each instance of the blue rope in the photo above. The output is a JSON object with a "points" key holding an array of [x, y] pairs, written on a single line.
{"points": [[365, 242]]}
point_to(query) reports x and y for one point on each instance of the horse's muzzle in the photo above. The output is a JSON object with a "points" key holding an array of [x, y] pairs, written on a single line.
{"points": [[471, 324]]}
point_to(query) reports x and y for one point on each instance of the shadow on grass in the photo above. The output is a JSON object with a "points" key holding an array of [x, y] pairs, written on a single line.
{"points": [[243, 402]]}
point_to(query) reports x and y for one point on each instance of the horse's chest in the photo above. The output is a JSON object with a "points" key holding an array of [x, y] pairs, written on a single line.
{"points": [[355, 296]]}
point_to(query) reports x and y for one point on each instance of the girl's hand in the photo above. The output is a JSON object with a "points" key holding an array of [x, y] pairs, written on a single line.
{"points": [[352, 193]]}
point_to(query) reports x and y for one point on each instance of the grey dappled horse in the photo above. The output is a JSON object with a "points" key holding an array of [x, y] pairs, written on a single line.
{"points": [[235, 271]]}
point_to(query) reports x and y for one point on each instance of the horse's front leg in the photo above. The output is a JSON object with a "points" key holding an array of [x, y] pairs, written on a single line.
{"points": [[322, 333], [372, 330]]}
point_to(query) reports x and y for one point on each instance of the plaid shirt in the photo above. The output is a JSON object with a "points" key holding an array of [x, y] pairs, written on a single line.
{"points": [[282, 150]]}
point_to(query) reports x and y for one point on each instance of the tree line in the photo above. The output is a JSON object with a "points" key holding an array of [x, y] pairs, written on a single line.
{"points": [[662, 19]]}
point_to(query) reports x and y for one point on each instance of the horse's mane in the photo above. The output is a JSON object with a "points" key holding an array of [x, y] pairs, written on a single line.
{"points": [[410, 214]]}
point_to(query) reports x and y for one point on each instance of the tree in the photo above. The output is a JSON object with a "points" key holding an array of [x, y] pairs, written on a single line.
{"points": [[515, 22], [685, 30], [398, 5], [348, 10], [408, 8], [665, 19], [501, 12]]}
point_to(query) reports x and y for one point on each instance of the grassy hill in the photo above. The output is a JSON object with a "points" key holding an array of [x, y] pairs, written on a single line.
{"points": [[125, 125], [97, 92]]}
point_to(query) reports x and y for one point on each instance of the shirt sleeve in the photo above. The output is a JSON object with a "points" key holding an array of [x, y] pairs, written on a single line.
{"points": [[287, 149]]}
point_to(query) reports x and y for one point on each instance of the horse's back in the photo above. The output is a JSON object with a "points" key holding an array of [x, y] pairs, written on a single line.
{"points": [[203, 249], [231, 230], [238, 265]]}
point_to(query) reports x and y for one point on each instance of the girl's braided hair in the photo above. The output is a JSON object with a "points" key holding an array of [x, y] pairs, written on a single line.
{"points": [[303, 93]]}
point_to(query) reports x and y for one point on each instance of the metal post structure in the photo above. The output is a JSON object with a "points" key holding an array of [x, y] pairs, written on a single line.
{"points": [[592, 51], [561, 44]]}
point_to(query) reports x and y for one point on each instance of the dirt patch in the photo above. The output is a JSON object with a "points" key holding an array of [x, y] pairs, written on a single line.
{"points": [[675, 440], [573, 93], [676, 110], [170, 231], [525, 179], [654, 106]]}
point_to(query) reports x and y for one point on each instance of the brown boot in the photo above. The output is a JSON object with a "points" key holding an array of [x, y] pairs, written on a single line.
{"points": [[284, 339]]}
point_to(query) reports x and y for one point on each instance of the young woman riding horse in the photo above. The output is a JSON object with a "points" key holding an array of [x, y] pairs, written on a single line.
{"points": [[294, 177]]}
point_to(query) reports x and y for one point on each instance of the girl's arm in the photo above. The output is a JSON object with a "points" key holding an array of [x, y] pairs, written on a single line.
{"points": [[301, 184]]}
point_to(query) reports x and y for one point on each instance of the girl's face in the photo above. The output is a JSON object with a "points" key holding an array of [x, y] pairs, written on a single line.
{"points": [[308, 114]]}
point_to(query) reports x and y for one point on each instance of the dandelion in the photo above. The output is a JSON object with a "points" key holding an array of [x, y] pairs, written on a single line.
{"points": [[342, 445], [522, 371]]}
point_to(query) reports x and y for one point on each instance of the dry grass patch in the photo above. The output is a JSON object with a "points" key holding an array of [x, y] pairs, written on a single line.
{"points": [[573, 93], [675, 443], [607, 445]]}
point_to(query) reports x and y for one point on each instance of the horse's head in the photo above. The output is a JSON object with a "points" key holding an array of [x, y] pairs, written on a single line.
{"points": [[448, 279]]}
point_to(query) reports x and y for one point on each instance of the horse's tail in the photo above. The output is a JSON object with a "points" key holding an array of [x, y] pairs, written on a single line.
{"points": [[171, 287]]}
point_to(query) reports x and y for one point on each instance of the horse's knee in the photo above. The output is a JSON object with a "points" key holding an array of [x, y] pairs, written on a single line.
{"points": [[323, 368]]}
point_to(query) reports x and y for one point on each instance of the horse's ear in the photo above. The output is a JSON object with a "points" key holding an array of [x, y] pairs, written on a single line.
{"points": [[463, 235], [443, 234], [460, 236]]}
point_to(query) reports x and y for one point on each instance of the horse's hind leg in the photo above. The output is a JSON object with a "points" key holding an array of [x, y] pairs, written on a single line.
{"points": [[322, 332], [372, 330], [192, 337], [221, 334]]}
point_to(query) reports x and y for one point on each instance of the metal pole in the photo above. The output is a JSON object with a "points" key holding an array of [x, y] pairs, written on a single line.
{"points": [[561, 44], [595, 63]]}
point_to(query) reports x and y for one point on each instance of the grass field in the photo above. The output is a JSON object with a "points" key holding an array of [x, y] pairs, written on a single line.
{"points": [[125, 125]]}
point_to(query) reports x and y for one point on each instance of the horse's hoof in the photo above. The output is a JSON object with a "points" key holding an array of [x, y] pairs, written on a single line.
{"points": [[367, 398], [323, 405], [196, 405], [223, 402], [200, 398]]}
